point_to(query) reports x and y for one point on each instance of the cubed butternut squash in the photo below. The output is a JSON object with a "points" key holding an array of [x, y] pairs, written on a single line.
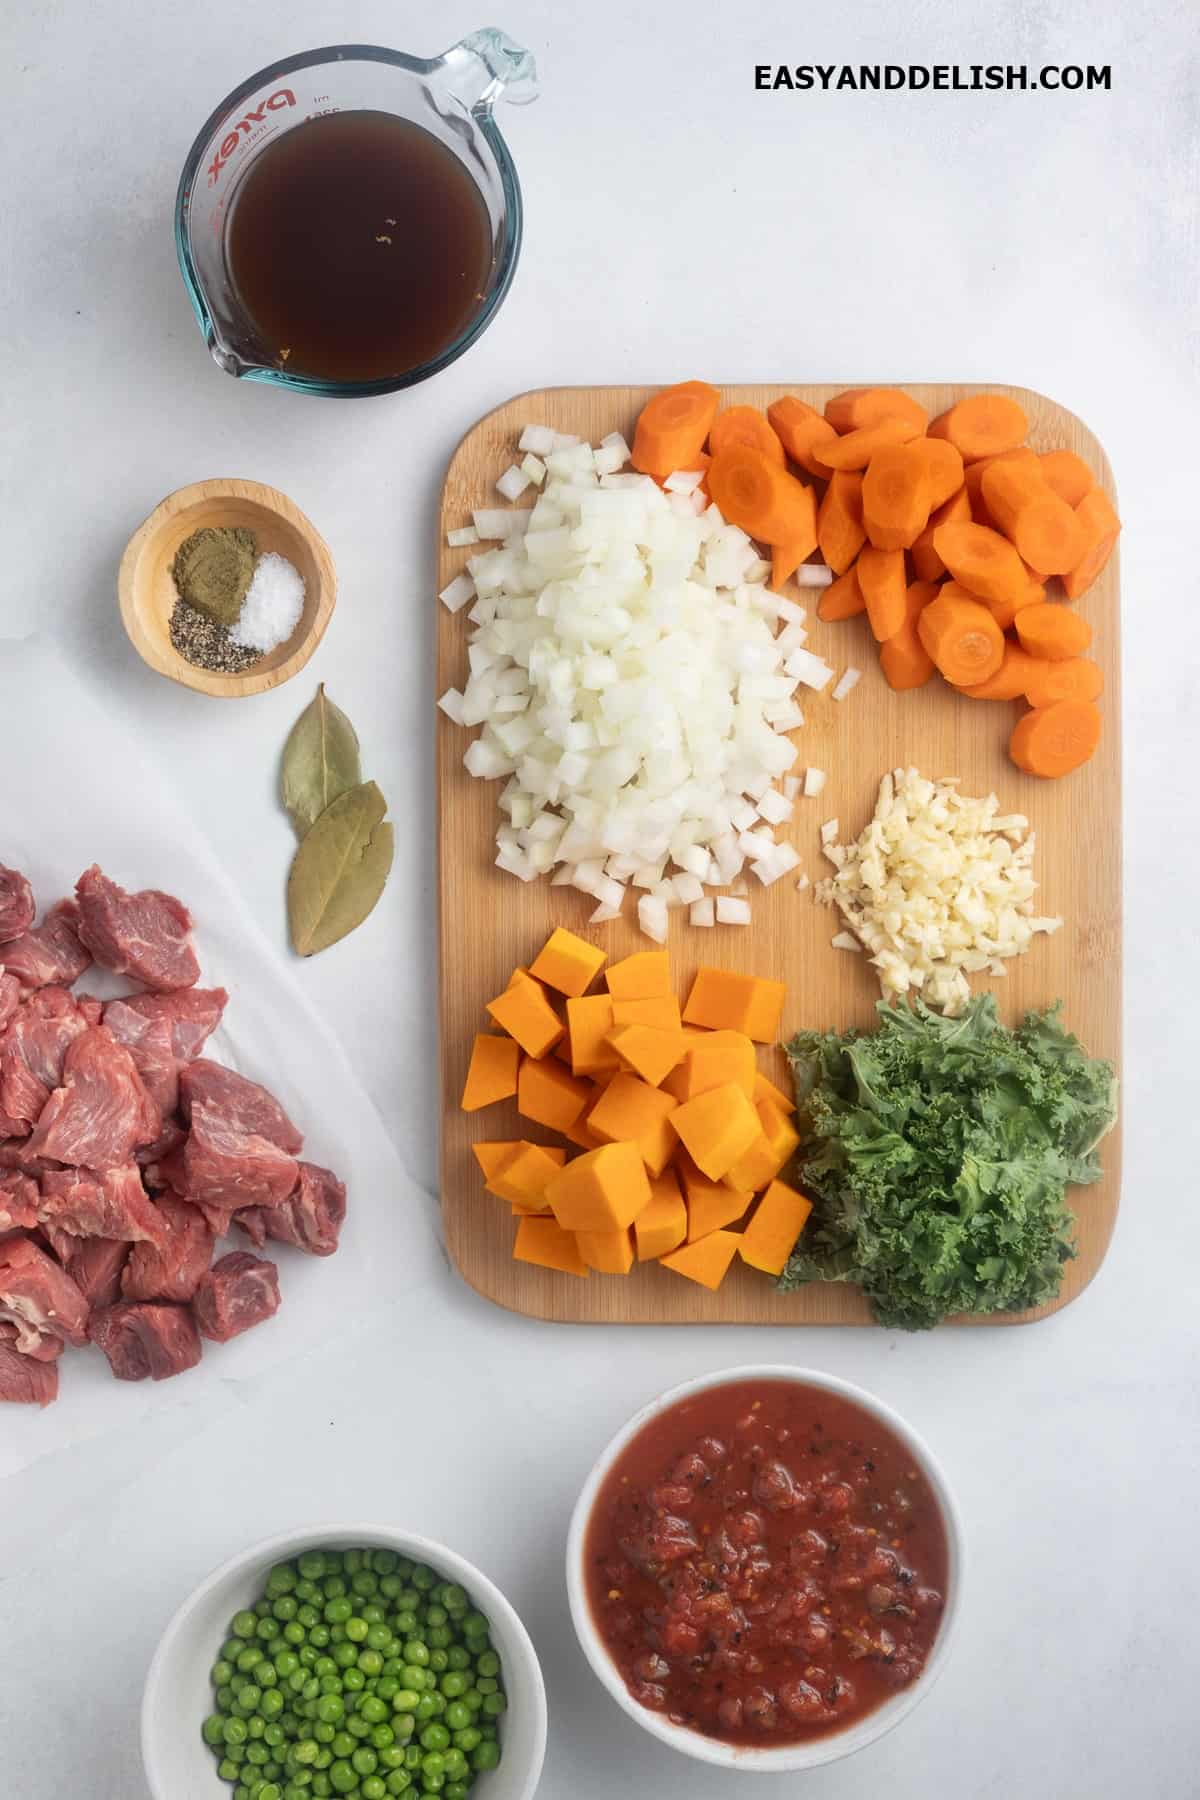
{"points": [[661, 1010], [710, 1204], [766, 1090], [521, 1178], [716, 1128], [769, 1152], [589, 1021], [544, 1242], [707, 1260], [648, 1050], [662, 1226], [525, 1013], [632, 1110], [567, 963], [644, 976], [581, 1135], [726, 1001], [771, 1235], [492, 1156], [549, 1095], [603, 1190], [608, 1252], [720, 1057], [492, 1074]]}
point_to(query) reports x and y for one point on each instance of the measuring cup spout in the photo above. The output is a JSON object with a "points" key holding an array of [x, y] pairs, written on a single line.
{"points": [[488, 66]]}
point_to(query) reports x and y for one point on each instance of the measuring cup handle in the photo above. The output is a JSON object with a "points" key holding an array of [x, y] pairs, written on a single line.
{"points": [[488, 66]]}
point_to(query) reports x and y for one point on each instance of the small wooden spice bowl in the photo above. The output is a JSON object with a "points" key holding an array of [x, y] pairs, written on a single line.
{"points": [[147, 592]]}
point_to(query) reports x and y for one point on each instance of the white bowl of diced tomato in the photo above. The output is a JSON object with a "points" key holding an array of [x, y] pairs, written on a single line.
{"points": [[765, 1568]]}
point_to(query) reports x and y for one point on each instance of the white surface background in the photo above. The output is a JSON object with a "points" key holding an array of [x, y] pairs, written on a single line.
{"points": [[678, 224]]}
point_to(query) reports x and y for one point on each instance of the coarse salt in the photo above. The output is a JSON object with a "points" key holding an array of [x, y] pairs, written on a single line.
{"points": [[273, 604]]}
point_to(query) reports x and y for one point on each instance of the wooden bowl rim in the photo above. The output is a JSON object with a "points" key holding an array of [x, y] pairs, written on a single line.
{"points": [[211, 681]]}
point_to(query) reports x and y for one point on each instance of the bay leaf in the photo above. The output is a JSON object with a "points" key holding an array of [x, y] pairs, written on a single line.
{"points": [[320, 761], [339, 869]]}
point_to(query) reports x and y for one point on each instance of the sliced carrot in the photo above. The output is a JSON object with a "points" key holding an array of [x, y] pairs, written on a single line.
{"points": [[1044, 529], [755, 493], [843, 598], [786, 558], [1101, 526], [1009, 681], [859, 408], [881, 581], [1005, 611], [927, 564], [855, 450], [840, 530], [1076, 678], [904, 659], [896, 496], [1054, 633], [800, 428], [1052, 740], [962, 638], [745, 428], [943, 467], [973, 477], [983, 561], [1067, 474], [672, 427], [982, 425]]}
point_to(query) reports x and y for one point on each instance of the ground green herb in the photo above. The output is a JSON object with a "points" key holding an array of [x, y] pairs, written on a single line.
{"points": [[938, 1152], [213, 568]]}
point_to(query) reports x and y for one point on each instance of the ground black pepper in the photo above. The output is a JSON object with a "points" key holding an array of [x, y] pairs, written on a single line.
{"points": [[207, 645]]}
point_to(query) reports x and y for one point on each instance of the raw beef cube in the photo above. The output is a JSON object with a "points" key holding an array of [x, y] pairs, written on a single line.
{"points": [[145, 935], [311, 1218], [172, 1137], [109, 1203], [16, 905], [170, 1269], [95, 1268], [51, 952], [25, 1381], [226, 1166], [91, 1009], [33, 1050], [148, 1041], [40, 1298], [194, 1014], [102, 1112], [239, 1291], [18, 1201], [242, 1103], [10, 996], [146, 1338], [220, 1218]]}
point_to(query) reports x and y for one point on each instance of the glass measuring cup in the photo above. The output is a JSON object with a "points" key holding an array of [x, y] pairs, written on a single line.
{"points": [[451, 96]]}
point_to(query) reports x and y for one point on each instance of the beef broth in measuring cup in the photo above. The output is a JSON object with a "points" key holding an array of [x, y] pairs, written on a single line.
{"points": [[359, 247]]}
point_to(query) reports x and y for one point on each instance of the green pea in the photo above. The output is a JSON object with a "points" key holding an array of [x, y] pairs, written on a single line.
{"points": [[391, 1756], [487, 1756], [370, 1662], [354, 1679], [345, 1655], [489, 1663], [404, 1724], [416, 1653], [382, 1736], [378, 1636], [330, 1708], [285, 1607], [335, 1588], [338, 1611], [308, 1616], [342, 1745], [439, 1638], [364, 1760], [405, 1623], [293, 1633], [468, 1739], [225, 1697], [269, 1791], [321, 1788], [342, 1778], [311, 1564], [228, 1771], [357, 1629], [373, 1788], [364, 1583], [423, 1578], [323, 1733], [425, 1708], [256, 1726], [235, 1731], [412, 1756], [213, 1729], [456, 1790], [245, 1624], [372, 1709], [485, 1684], [457, 1716], [433, 1764], [399, 1781], [306, 1752], [435, 1737], [458, 1657], [308, 1593], [358, 1726], [456, 1764], [318, 1636]]}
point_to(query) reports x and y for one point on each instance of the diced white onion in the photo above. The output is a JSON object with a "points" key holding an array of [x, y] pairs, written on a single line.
{"points": [[809, 669], [688, 888], [829, 831], [847, 681], [652, 917], [814, 781], [813, 575], [844, 940], [451, 704], [534, 468], [495, 522], [732, 911], [513, 482], [684, 481], [456, 593], [603, 914], [774, 808], [702, 912], [791, 786], [460, 538], [537, 438]]}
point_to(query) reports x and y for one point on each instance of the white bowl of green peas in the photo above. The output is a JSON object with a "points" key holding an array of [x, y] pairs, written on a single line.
{"points": [[350, 1660]]}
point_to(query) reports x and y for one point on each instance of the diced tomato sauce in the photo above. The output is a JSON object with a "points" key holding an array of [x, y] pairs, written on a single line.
{"points": [[766, 1564]]}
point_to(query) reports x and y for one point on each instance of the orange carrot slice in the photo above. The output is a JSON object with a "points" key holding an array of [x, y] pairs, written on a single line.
{"points": [[800, 428], [1054, 633], [855, 450], [927, 564], [982, 425], [1075, 678], [896, 497], [840, 530], [1067, 474], [1052, 740], [962, 638], [1036, 520], [1101, 526], [859, 408], [755, 493], [842, 599], [881, 581], [982, 560], [903, 658], [1009, 681], [672, 427], [745, 428]]}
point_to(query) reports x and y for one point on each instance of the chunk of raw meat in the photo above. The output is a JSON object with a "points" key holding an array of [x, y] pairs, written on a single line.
{"points": [[146, 1338], [148, 1041], [194, 1014], [145, 935], [243, 1104], [18, 1201], [91, 1009], [170, 1269], [151, 1157], [33, 1050], [107, 1203], [25, 1381], [10, 997], [225, 1166], [102, 1111], [14, 1154], [40, 1298], [51, 953], [16, 905], [310, 1219], [239, 1291], [95, 1268]]}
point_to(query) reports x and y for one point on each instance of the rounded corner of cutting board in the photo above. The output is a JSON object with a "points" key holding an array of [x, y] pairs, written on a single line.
{"points": [[492, 927]]}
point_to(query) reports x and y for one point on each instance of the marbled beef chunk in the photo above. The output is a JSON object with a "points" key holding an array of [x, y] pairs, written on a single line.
{"points": [[239, 1291], [194, 1014], [225, 1166], [109, 1203], [52, 953], [33, 1049], [95, 1265], [16, 905], [37, 1296], [144, 935], [148, 1041], [23, 1380], [310, 1218], [170, 1269], [102, 1111], [10, 996], [148, 1338], [241, 1103], [19, 1199]]}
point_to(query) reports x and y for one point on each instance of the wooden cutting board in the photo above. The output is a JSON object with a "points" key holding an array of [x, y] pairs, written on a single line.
{"points": [[490, 921]]}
